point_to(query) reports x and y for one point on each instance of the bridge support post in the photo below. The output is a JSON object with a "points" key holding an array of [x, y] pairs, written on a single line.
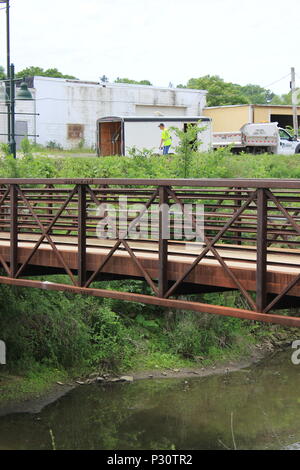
{"points": [[163, 241], [81, 235], [13, 230], [239, 204], [261, 246]]}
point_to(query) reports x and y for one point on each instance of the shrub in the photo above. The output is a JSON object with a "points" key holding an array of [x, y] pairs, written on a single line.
{"points": [[194, 335], [53, 145], [26, 147]]}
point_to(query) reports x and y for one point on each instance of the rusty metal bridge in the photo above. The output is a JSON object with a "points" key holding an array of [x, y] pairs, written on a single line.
{"points": [[250, 240]]}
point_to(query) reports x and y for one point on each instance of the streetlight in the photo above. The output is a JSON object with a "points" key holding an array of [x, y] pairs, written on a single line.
{"points": [[10, 97], [22, 94]]}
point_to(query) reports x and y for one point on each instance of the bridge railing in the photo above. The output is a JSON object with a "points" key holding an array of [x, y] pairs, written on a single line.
{"points": [[204, 219]]}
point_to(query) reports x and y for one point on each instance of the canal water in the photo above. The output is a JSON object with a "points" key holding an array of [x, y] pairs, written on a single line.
{"points": [[254, 408]]}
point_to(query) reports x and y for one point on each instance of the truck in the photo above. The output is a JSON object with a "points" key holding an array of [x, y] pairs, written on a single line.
{"points": [[117, 135], [258, 138]]}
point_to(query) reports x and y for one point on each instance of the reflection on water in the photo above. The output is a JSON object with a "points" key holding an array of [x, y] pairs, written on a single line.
{"points": [[171, 414]]}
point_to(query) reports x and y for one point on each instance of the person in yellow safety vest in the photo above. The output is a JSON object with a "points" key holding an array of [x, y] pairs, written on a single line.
{"points": [[166, 141]]}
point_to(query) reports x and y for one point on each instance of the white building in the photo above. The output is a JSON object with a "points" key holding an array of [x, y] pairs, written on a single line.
{"points": [[68, 110], [118, 135]]}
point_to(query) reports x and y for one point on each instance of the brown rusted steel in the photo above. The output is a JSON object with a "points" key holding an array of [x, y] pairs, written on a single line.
{"points": [[163, 242], [295, 281], [118, 243], [238, 222], [104, 262], [210, 247], [284, 292], [45, 234], [6, 193], [13, 230], [243, 220], [5, 265], [210, 244], [139, 265], [4, 196], [152, 300], [192, 183], [81, 190], [284, 211], [261, 246]]}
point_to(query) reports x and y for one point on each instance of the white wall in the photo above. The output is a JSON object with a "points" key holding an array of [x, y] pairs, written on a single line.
{"points": [[147, 135], [3, 123], [25, 106], [61, 102], [51, 104], [205, 136], [149, 110]]}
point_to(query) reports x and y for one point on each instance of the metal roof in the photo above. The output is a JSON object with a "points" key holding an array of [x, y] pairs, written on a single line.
{"points": [[154, 118]]}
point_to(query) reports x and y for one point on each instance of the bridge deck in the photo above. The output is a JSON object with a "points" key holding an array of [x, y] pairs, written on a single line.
{"points": [[49, 226], [282, 264]]}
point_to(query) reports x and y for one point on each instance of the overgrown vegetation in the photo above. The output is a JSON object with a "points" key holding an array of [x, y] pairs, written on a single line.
{"points": [[61, 332], [188, 145], [80, 333], [145, 164]]}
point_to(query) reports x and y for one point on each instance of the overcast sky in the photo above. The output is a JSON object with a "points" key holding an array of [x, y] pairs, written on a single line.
{"points": [[243, 41]]}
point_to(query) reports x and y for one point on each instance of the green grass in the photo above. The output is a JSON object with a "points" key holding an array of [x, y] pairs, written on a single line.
{"points": [[158, 360], [219, 164], [37, 382], [51, 335]]}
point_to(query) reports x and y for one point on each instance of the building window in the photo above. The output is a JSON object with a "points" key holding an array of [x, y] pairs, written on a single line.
{"points": [[75, 131]]}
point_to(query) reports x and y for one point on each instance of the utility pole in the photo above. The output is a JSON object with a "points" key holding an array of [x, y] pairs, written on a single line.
{"points": [[10, 83], [294, 101], [8, 65], [12, 139]]}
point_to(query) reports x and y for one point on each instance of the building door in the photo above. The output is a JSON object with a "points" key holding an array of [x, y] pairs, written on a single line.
{"points": [[110, 138], [284, 120], [21, 132]]}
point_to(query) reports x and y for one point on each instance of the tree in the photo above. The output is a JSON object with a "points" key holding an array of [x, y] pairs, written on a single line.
{"points": [[104, 79], [2, 73], [129, 81], [222, 93], [38, 71], [257, 94], [282, 99], [188, 145], [56, 74]]}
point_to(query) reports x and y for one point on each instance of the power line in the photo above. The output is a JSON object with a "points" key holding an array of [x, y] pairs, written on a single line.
{"points": [[280, 79]]}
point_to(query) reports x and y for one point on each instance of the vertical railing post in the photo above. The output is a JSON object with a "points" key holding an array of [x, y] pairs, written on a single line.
{"points": [[239, 203], [163, 241], [261, 248], [81, 235], [13, 230]]}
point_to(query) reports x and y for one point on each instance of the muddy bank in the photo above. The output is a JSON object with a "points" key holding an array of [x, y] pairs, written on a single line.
{"points": [[257, 354], [59, 389], [35, 405]]}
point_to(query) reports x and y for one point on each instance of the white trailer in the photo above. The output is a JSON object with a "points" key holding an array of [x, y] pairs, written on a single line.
{"points": [[117, 135], [258, 138]]}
